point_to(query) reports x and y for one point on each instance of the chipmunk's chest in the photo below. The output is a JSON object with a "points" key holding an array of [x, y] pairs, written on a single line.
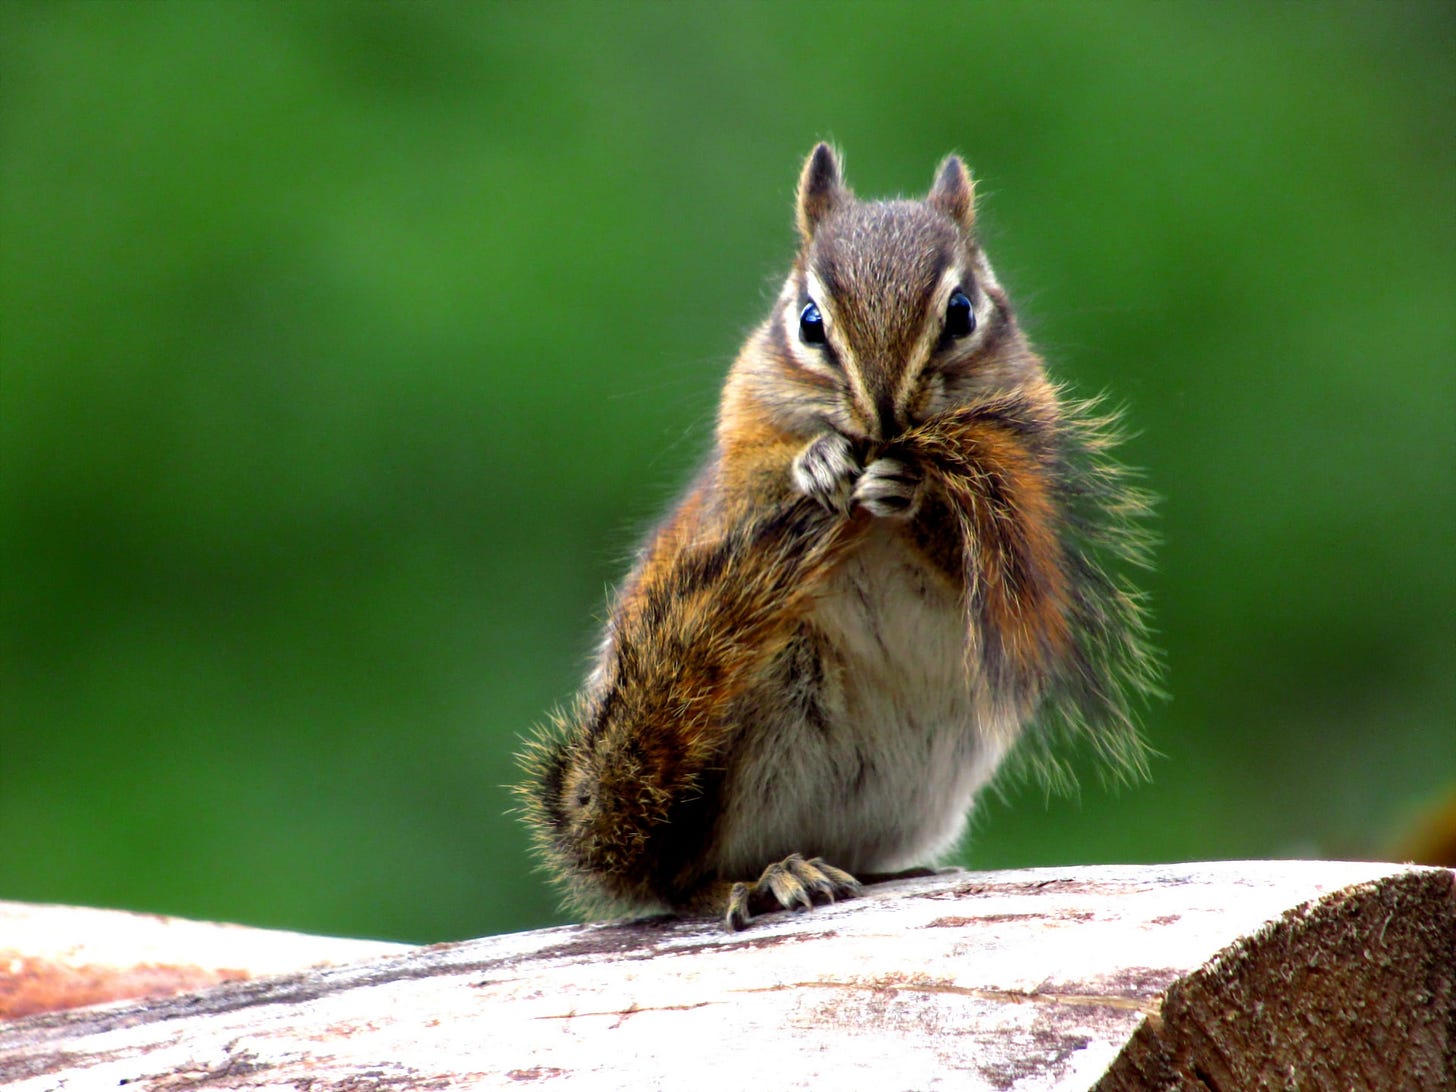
{"points": [[898, 624], [869, 738]]}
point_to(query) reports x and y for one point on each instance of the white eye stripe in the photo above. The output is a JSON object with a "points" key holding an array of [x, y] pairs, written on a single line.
{"points": [[973, 283], [819, 294], [843, 367], [812, 358], [985, 274], [793, 313]]}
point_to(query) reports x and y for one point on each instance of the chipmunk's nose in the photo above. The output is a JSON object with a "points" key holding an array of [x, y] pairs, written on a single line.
{"points": [[876, 378], [885, 417]]}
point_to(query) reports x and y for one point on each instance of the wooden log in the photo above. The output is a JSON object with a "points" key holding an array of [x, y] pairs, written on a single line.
{"points": [[62, 957], [1273, 974]]}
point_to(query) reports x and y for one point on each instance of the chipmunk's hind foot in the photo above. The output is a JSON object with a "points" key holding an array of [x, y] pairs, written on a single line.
{"points": [[790, 884]]}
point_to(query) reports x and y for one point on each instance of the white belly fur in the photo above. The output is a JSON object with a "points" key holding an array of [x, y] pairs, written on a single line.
{"points": [[880, 774]]}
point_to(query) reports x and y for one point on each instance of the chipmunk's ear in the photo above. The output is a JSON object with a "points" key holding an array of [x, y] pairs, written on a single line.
{"points": [[821, 187], [954, 193]]}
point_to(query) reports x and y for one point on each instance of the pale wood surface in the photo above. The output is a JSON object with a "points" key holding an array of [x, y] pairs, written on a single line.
{"points": [[59, 957], [1227, 975]]}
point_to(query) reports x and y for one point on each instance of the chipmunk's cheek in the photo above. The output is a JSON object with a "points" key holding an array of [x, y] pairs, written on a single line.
{"points": [[931, 397]]}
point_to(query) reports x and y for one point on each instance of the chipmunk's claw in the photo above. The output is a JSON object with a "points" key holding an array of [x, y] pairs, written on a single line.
{"points": [[790, 884]]}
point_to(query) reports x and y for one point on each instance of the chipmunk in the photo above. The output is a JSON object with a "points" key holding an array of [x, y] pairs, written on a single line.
{"points": [[898, 558]]}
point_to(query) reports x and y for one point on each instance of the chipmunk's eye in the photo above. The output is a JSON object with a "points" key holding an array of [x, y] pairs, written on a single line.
{"points": [[811, 325], [960, 318]]}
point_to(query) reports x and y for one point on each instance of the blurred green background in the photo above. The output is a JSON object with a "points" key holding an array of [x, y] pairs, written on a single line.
{"points": [[347, 349]]}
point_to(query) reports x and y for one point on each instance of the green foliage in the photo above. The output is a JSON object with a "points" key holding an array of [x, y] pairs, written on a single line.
{"points": [[345, 349]]}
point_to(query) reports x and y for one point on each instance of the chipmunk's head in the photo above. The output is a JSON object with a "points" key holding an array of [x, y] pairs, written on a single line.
{"points": [[891, 313]]}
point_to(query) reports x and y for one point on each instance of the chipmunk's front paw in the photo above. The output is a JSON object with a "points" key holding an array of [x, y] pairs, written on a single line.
{"points": [[889, 487], [826, 470], [791, 884]]}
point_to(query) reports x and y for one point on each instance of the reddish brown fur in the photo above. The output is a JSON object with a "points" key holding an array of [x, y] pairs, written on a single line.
{"points": [[1012, 557]]}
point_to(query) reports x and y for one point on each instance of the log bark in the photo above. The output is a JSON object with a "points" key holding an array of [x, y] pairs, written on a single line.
{"points": [[1274, 974]]}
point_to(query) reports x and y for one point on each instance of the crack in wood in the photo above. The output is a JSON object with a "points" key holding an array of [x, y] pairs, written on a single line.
{"points": [[630, 1010], [1148, 1008]]}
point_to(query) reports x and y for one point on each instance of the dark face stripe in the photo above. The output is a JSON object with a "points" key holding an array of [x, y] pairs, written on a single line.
{"points": [[783, 357], [885, 411]]}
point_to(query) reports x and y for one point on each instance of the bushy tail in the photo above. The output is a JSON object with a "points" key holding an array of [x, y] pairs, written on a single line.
{"points": [[606, 782]]}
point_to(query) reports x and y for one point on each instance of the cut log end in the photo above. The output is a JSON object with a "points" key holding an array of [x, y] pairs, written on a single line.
{"points": [[1354, 990]]}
